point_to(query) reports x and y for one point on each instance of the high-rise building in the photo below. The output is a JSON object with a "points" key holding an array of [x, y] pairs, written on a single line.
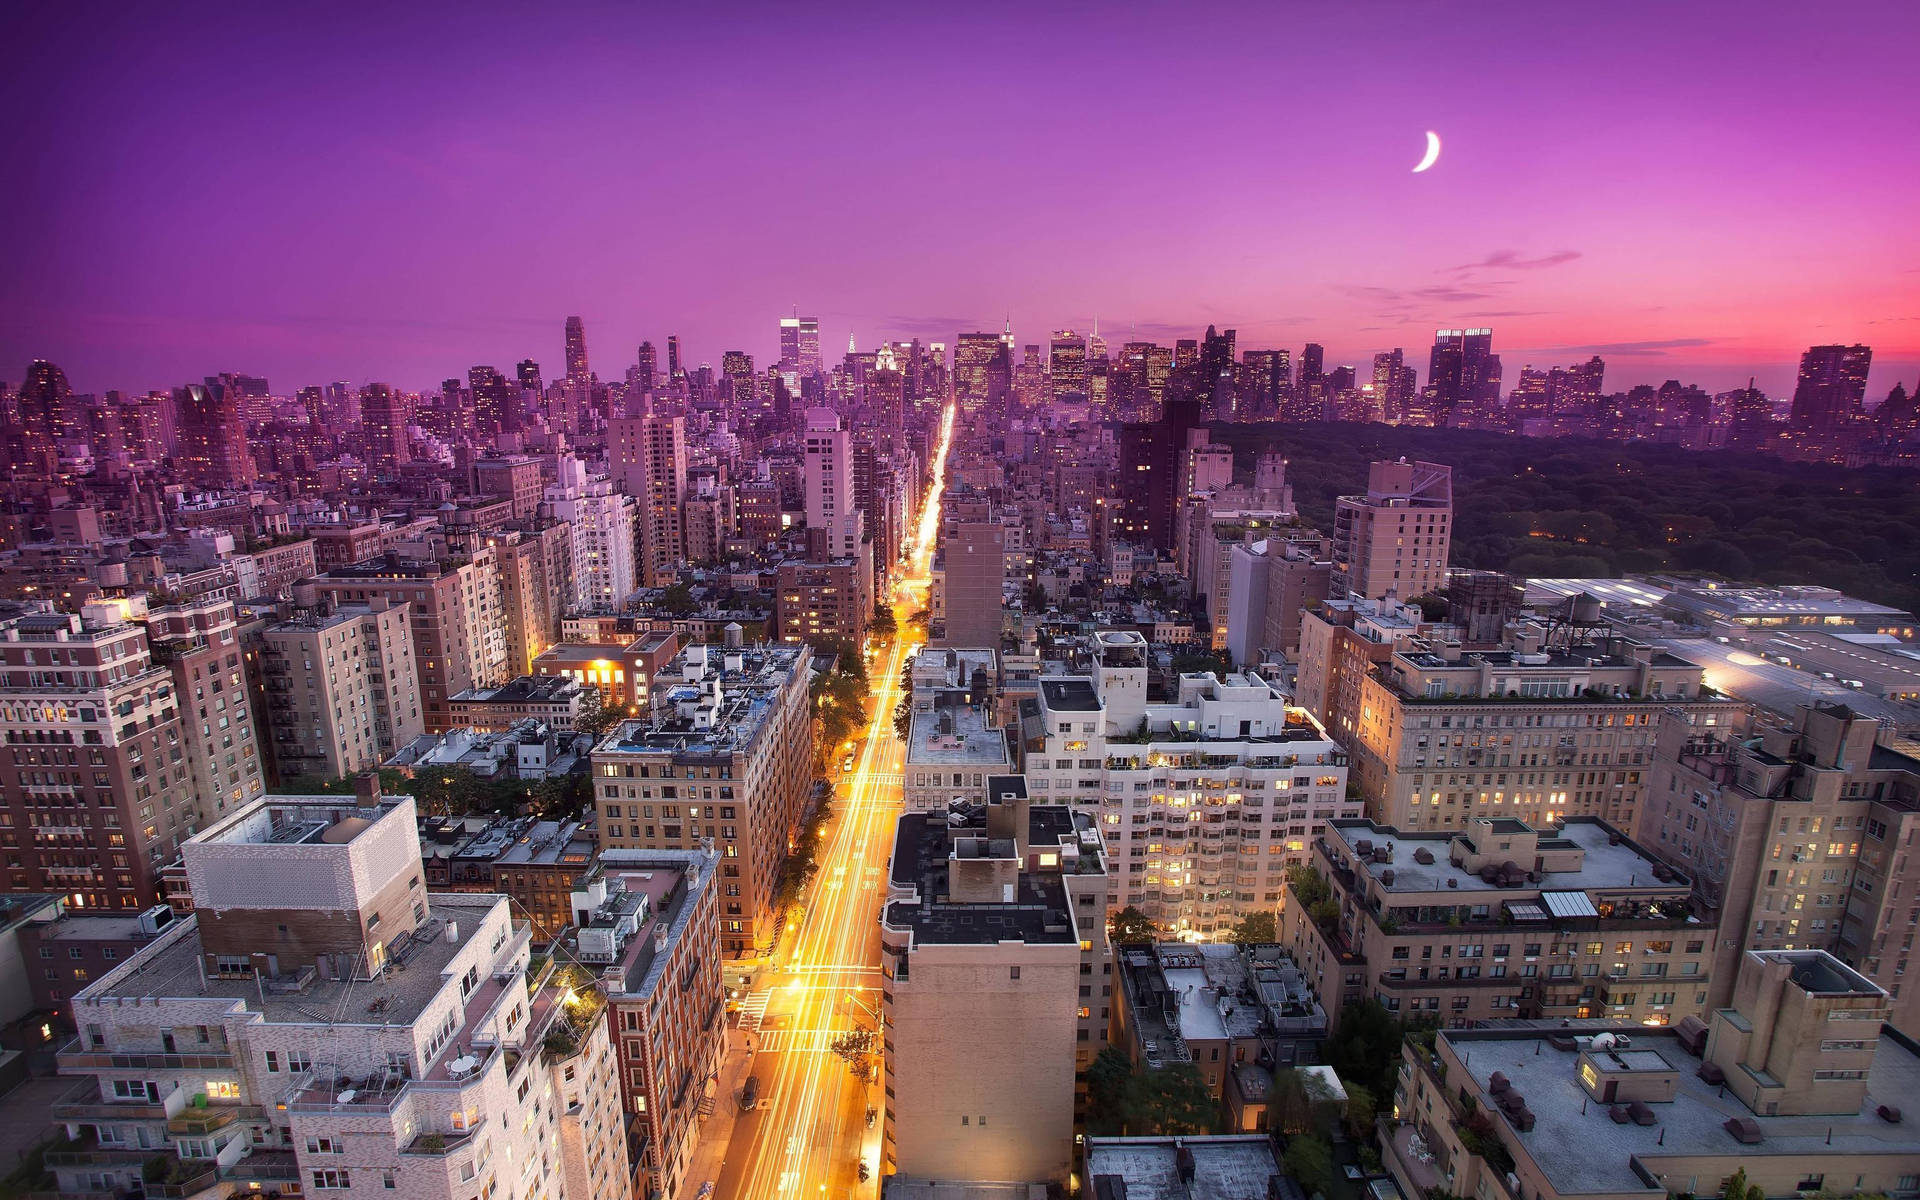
{"points": [[1067, 367], [1153, 470], [1794, 832], [823, 603], [90, 690], [1582, 705], [322, 1023], [497, 402], [1309, 398], [648, 457], [992, 940], [342, 693], [736, 367], [1269, 375], [1393, 383], [1098, 740], [982, 371], [1394, 539], [1831, 389], [577, 371], [647, 370], [726, 744], [799, 348], [829, 471], [970, 575], [602, 521], [648, 921], [383, 422], [212, 437], [458, 623], [1463, 373], [676, 373]]}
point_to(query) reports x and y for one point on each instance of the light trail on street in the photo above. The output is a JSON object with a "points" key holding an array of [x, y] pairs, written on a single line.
{"points": [[813, 1135]]}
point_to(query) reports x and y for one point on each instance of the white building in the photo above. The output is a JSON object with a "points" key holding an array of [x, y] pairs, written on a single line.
{"points": [[1203, 802], [322, 1025], [603, 522]]}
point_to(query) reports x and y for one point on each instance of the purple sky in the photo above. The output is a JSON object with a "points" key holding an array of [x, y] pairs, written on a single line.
{"points": [[316, 193]]}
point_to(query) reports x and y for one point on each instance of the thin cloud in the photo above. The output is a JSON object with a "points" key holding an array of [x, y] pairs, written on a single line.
{"points": [[1625, 349], [934, 326], [1512, 259]]}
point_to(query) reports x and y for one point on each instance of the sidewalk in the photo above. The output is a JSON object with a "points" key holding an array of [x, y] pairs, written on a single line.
{"points": [[716, 1129]]}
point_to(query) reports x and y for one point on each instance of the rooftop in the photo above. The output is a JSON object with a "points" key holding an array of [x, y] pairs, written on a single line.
{"points": [[1227, 1167], [526, 689], [1581, 1148], [956, 735], [1038, 914], [1609, 860], [174, 969], [1069, 695]]}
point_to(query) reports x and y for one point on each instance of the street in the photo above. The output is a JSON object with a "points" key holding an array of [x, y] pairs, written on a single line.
{"points": [[808, 1133]]}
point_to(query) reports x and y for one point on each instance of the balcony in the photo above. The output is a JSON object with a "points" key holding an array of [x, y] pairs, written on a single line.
{"points": [[75, 1058], [437, 1145], [84, 1104]]}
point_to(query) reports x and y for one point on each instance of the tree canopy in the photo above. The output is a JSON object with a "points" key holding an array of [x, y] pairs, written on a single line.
{"points": [[1257, 927], [1131, 925]]}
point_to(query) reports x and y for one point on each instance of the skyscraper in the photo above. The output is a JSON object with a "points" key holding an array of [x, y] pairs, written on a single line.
{"points": [[982, 370], [736, 366], [799, 348], [496, 402], [1269, 377], [648, 458], [1067, 366], [1308, 401], [1153, 470], [527, 372], [213, 436], [577, 351], [675, 374], [649, 368], [1833, 383], [1462, 372], [1392, 383], [383, 421]]}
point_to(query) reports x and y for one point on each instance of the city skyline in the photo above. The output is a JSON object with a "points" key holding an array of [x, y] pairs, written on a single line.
{"points": [[1675, 216]]}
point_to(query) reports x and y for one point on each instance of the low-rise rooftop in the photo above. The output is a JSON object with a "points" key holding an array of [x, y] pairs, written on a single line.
{"points": [[1224, 1167]]}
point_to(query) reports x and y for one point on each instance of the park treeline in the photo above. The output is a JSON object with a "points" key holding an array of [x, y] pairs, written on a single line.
{"points": [[1577, 507]]}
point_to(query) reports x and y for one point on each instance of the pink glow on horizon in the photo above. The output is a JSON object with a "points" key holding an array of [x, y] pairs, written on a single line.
{"points": [[1701, 191]]}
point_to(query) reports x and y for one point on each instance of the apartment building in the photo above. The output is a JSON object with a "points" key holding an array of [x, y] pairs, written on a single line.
{"points": [[518, 477], [647, 456], [993, 966], [648, 921], [1797, 835], [536, 581], [536, 864], [1553, 725], [953, 748], [1203, 801], [602, 519], [199, 641], [821, 602], [322, 1024], [458, 620], [1235, 1013], [1796, 1085], [553, 700], [342, 693], [1341, 643], [97, 790], [1500, 920], [1393, 539], [1207, 1167], [724, 754]]}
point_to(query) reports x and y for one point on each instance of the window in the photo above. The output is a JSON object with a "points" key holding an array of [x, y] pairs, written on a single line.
{"points": [[1012, 973], [273, 1060], [325, 1145], [331, 1179]]}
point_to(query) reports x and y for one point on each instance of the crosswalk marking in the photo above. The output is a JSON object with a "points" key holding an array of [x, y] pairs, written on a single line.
{"points": [[754, 1009]]}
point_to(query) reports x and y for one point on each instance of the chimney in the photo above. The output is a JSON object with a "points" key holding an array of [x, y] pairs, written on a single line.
{"points": [[366, 788]]}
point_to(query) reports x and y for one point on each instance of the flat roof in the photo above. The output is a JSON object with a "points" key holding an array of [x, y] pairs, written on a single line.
{"points": [[1777, 686], [1069, 695], [1226, 1167], [973, 740], [1609, 863], [1039, 914], [1580, 1148], [174, 970]]}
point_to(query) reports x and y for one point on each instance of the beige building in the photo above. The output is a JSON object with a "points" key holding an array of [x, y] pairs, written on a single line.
{"points": [[647, 457], [458, 620], [553, 700], [1796, 1083], [724, 756], [1500, 920], [342, 692], [536, 577], [1541, 730], [322, 1025], [955, 743], [993, 940], [1797, 836], [1393, 540]]}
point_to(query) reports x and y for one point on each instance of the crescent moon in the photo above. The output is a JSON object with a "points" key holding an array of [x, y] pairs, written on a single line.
{"points": [[1433, 152]]}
